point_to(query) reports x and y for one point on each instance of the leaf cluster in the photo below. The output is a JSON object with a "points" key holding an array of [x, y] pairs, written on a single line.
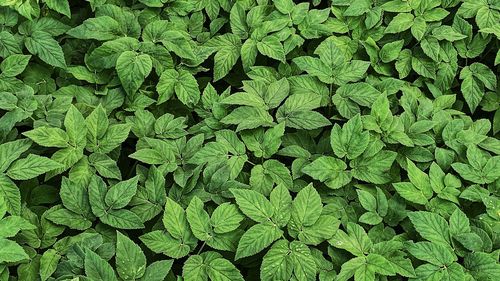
{"points": [[230, 140]]}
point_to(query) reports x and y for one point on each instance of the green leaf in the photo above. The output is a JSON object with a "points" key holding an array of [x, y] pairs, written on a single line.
{"points": [[448, 33], [226, 218], [271, 46], [357, 8], [102, 28], [75, 127], [431, 48], [400, 23], [306, 207], [278, 172], [367, 200], [14, 65], [350, 72], [187, 88], [182, 83], [69, 219], [11, 225], [42, 44], [284, 6], [424, 67], [132, 69], [60, 6], [194, 269], [282, 202], [97, 268], [355, 241], [120, 194], [253, 204], [157, 271], [433, 253], [419, 179], [247, 117], [48, 263], [257, 238], [329, 170], [10, 151], [105, 166], [315, 67], [431, 226], [391, 51], [31, 166], [277, 263], [304, 266], [49, 137], [122, 219], [10, 251], [349, 141], [130, 260], [174, 219], [373, 168], [11, 195], [162, 242], [350, 267], [114, 136], [228, 52], [221, 269], [409, 192], [459, 223], [199, 220]]}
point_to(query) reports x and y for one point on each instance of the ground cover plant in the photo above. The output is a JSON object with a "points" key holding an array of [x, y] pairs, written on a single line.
{"points": [[249, 140]]}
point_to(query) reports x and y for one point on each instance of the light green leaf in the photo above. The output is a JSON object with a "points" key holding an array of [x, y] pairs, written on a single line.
{"points": [[199, 220], [102, 28], [282, 202], [306, 207], [226, 218], [132, 69], [10, 251], [391, 51], [60, 6], [14, 65], [42, 44], [10, 151], [431, 226], [122, 219], [304, 265], [253, 204], [157, 271], [349, 141], [11, 195], [257, 238], [75, 127], [48, 263], [49, 137], [434, 253], [329, 170], [221, 269], [97, 268], [130, 260], [270, 46], [277, 263], [400, 23], [174, 219], [31, 166], [70, 219], [355, 241], [120, 194], [187, 89]]}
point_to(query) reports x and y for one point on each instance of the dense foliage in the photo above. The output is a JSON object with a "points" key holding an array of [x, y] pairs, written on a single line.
{"points": [[264, 140]]}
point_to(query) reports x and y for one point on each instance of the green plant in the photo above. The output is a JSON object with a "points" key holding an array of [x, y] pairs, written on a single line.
{"points": [[249, 140]]}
